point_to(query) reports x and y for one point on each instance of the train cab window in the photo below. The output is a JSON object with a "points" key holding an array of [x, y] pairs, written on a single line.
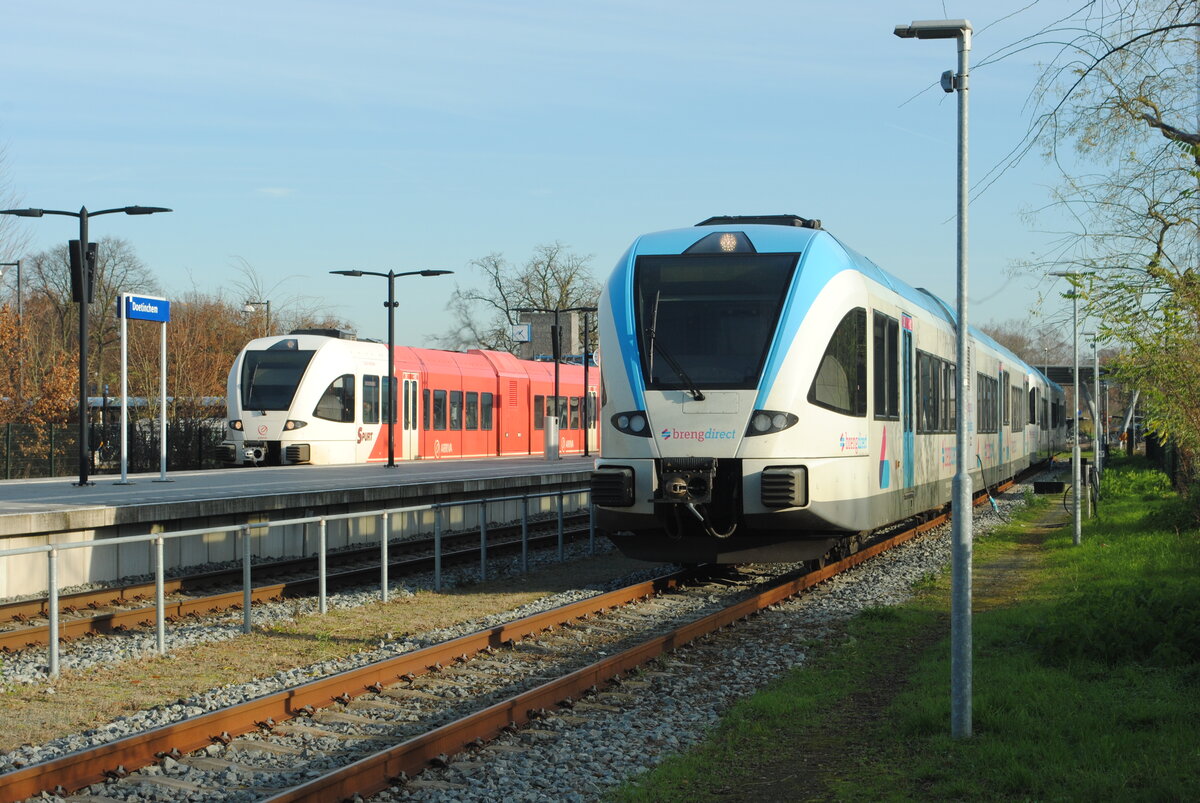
{"points": [[456, 409], [841, 381], [370, 400], [425, 409], [472, 410], [539, 412], [337, 402], [439, 409], [574, 412], [485, 411], [886, 364], [270, 378]]}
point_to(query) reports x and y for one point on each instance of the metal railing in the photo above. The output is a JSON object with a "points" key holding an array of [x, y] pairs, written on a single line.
{"points": [[243, 531]]}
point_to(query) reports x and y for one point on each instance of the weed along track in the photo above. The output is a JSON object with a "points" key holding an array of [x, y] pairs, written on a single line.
{"points": [[446, 705]]}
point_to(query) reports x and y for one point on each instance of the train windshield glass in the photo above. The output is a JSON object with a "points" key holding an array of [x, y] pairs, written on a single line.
{"points": [[269, 378], [707, 320]]}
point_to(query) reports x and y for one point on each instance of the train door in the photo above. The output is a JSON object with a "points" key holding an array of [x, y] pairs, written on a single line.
{"points": [[409, 436], [906, 416]]}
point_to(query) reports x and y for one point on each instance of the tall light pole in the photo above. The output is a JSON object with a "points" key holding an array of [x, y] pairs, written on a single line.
{"points": [[391, 394], [961, 533], [587, 358], [1072, 277], [82, 283], [255, 306]]}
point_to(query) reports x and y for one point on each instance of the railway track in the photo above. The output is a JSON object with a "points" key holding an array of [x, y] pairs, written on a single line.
{"points": [[114, 610], [362, 731]]}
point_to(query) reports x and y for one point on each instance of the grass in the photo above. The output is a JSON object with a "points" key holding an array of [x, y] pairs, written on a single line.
{"points": [[1085, 679]]}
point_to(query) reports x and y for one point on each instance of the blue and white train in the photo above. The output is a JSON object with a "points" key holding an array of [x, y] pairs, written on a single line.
{"points": [[769, 394]]}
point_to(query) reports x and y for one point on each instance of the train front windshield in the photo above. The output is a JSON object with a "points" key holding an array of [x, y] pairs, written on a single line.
{"points": [[706, 321], [270, 378]]}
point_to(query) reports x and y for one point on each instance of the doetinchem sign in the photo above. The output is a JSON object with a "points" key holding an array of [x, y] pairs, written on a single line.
{"points": [[145, 308]]}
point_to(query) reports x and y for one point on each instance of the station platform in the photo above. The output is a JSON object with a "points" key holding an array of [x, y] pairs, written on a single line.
{"points": [[55, 511]]}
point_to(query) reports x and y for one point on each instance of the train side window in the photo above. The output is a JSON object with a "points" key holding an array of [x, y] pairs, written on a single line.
{"points": [[886, 334], [1005, 397], [841, 380], [539, 412], [987, 399], [388, 392], [485, 412], [439, 409], [370, 400], [412, 404], [425, 409], [575, 412], [456, 409], [337, 402], [562, 412], [591, 410], [472, 410]]}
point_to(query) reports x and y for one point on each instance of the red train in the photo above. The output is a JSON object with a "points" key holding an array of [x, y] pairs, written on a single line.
{"points": [[323, 397]]}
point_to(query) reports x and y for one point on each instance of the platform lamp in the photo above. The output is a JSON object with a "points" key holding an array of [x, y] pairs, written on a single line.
{"points": [[82, 268], [961, 524], [255, 306], [391, 307]]}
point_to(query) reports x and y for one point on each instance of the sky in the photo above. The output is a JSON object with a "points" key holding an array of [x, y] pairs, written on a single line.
{"points": [[302, 137]]}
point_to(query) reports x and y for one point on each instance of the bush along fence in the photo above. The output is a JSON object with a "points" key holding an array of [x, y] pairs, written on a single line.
{"points": [[52, 451]]}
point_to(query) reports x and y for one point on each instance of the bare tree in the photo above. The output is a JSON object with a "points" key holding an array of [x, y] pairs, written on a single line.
{"points": [[287, 310], [552, 278]]}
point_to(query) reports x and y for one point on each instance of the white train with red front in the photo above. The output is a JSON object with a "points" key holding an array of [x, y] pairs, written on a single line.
{"points": [[321, 396], [770, 394]]}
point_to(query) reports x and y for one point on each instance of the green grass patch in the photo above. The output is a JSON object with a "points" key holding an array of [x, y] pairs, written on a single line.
{"points": [[1085, 687]]}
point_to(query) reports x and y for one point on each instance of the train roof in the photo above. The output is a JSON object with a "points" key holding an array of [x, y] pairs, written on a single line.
{"points": [[796, 234]]}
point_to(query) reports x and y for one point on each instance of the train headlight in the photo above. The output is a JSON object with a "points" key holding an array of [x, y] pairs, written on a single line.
{"points": [[766, 422], [633, 423], [293, 424], [236, 423]]}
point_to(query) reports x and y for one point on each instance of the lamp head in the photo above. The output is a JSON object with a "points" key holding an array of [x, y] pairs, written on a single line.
{"points": [[144, 210], [23, 212], [347, 272], [933, 29], [435, 272]]}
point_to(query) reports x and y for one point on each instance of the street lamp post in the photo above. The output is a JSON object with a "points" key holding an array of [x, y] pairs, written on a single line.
{"points": [[255, 306], [1072, 276], [960, 608], [391, 307], [84, 293]]}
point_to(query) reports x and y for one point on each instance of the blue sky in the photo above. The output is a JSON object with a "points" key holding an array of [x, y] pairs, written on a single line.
{"points": [[304, 136]]}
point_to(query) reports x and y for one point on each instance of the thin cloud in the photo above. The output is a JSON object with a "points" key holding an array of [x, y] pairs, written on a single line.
{"points": [[276, 192]]}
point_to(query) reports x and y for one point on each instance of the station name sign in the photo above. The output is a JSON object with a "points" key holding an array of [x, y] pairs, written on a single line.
{"points": [[145, 308]]}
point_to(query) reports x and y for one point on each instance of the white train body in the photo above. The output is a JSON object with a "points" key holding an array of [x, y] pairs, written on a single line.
{"points": [[769, 392]]}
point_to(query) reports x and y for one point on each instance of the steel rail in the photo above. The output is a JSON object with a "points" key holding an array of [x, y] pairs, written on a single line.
{"points": [[375, 772], [77, 770]]}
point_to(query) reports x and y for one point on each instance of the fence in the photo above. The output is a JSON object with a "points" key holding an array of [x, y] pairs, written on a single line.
{"points": [[243, 532], [191, 445]]}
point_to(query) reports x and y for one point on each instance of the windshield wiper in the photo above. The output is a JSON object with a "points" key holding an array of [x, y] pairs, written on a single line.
{"points": [[653, 345]]}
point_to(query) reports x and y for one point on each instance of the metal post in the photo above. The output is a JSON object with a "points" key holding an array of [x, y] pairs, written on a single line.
{"points": [[162, 406], [561, 528], [322, 571], [122, 302], [437, 547], [246, 589], [385, 531], [591, 528], [586, 359], [52, 607], [482, 540], [160, 613], [1075, 467], [84, 291], [524, 532], [391, 394], [1097, 442]]}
